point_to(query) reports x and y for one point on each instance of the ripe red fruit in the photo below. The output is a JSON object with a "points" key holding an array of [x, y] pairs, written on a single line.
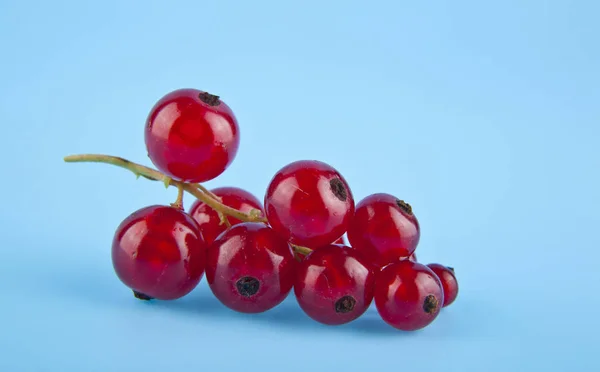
{"points": [[408, 295], [334, 285], [448, 280], [208, 219], [250, 268], [384, 229], [159, 253], [191, 135], [309, 203]]}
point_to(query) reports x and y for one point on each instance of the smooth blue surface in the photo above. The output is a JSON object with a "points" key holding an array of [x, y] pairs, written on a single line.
{"points": [[484, 115]]}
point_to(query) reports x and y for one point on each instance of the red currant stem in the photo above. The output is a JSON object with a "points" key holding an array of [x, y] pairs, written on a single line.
{"points": [[152, 174], [300, 249], [224, 220], [206, 191], [179, 201]]}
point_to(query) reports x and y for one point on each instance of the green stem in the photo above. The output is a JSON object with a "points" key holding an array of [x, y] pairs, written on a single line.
{"points": [[179, 201], [152, 174], [300, 249], [224, 220]]}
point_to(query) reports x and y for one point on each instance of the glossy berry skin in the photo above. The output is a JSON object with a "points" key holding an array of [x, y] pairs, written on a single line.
{"points": [[448, 280], [191, 135], [159, 253], [340, 240], [334, 285], [408, 295], [309, 203], [208, 219], [384, 229], [250, 268]]}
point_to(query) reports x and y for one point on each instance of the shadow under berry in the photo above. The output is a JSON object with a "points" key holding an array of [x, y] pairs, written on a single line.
{"points": [[286, 315], [95, 285]]}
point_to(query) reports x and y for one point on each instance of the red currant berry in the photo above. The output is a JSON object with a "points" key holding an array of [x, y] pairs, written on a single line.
{"points": [[208, 219], [334, 285], [448, 280], [191, 135], [309, 203], [408, 295], [158, 252], [250, 268], [384, 229]]}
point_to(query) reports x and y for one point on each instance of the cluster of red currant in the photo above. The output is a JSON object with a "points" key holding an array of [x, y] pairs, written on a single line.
{"points": [[255, 253]]}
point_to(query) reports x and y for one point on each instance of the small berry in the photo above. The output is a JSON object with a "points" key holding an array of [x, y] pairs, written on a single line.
{"points": [[309, 203], [159, 253], [208, 219], [250, 268], [191, 135], [334, 285], [384, 229], [449, 283], [408, 295]]}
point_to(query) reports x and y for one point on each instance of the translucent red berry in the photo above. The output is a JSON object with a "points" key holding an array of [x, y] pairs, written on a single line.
{"points": [[159, 253], [208, 219], [250, 268], [309, 203], [334, 285], [191, 135], [384, 229], [408, 295], [449, 283]]}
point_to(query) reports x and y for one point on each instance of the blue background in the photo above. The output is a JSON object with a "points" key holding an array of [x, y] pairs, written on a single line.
{"points": [[483, 115]]}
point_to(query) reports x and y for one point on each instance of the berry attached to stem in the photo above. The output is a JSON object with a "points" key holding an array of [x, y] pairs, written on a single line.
{"points": [[158, 252], [334, 285], [408, 295], [449, 283], [309, 203], [250, 268], [384, 229], [191, 135]]}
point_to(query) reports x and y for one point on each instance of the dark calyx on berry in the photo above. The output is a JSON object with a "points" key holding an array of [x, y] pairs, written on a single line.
{"points": [[338, 189], [406, 208], [345, 304], [247, 286], [451, 268], [209, 99], [142, 296], [430, 304]]}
